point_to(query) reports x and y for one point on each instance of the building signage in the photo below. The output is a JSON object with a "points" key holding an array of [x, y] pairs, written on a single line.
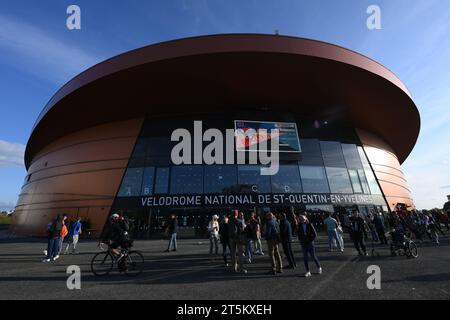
{"points": [[230, 200], [250, 133]]}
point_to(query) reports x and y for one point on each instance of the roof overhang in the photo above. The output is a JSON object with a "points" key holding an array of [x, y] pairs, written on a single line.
{"points": [[221, 72]]}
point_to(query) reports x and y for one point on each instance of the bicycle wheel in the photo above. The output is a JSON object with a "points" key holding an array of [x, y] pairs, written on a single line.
{"points": [[413, 251], [102, 264], [134, 263]]}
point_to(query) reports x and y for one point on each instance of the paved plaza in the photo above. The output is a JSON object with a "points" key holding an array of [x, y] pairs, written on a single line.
{"points": [[191, 274]]}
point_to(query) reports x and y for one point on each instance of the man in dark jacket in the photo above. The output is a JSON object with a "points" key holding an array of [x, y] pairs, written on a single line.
{"points": [[235, 236], [224, 239], [172, 230], [358, 232], [273, 239], [379, 227], [307, 234], [286, 240], [54, 238]]}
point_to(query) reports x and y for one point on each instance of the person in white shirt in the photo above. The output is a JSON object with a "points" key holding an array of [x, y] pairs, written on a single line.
{"points": [[213, 229], [332, 226]]}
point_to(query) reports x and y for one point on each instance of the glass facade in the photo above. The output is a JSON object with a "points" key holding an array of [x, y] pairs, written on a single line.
{"points": [[331, 165], [331, 161]]}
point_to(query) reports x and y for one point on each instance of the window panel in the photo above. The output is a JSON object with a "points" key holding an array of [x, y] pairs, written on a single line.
{"points": [[373, 184], [162, 181], [332, 154], [251, 180], [186, 180], [287, 180], [351, 156], [371, 180], [339, 180], [314, 179], [147, 183], [311, 154], [364, 184], [220, 178], [132, 182], [356, 184]]}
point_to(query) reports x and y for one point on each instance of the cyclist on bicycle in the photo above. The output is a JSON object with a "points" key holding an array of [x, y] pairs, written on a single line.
{"points": [[116, 234]]}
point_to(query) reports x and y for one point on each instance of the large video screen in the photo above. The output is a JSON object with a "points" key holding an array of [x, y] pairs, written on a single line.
{"points": [[251, 137]]}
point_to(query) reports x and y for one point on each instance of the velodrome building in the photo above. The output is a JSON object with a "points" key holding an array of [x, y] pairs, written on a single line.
{"points": [[103, 142]]}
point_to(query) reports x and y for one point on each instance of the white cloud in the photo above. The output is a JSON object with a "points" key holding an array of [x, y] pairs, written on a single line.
{"points": [[33, 50], [11, 154]]}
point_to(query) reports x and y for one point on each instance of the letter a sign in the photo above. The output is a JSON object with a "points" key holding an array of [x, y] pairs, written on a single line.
{"points": [[74, 20]]}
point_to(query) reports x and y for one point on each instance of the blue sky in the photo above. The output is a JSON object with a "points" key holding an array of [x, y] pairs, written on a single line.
{"points": [[38, 54]]}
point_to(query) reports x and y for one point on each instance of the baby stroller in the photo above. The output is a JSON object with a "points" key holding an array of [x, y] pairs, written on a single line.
{"points": [[402, 245]]}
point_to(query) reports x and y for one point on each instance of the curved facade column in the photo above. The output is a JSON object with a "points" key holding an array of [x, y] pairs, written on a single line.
{"points": [[387, 169]]}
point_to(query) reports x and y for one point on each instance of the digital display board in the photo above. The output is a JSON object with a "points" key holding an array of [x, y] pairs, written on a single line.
{"points": [[249, 137]]}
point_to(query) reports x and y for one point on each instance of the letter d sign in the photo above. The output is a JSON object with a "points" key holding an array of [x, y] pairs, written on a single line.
{"points": [[374, 281]]}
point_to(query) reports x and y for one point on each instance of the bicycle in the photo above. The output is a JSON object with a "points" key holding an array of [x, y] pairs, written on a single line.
{"points": [[129, 262]]}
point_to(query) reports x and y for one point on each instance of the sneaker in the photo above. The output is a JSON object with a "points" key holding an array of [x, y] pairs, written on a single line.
{"points": [[319, 271], [46, 260], [308, 274], [244, 271], [45, 252], [56, 258], [249, 260], [262, 253]]}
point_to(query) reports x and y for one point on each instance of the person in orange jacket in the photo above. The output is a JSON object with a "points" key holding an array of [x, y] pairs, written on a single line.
{"points": [[64, 233]]}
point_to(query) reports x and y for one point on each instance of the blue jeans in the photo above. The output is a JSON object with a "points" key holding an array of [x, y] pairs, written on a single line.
{"points": [[249, 249], [332, 234], [53, 247], [309, 250], [173, 240]]}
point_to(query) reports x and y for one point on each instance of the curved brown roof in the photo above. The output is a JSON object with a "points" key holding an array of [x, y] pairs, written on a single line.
{"points": [[218, 72]]}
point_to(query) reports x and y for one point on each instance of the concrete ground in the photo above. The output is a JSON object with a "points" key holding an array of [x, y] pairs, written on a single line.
{"points": [[189, 274]]}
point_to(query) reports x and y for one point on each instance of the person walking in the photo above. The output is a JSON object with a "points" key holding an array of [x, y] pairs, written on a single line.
{"points": [[306, 235], [64, 233], [332, 226], [224, 239], [432, 228], [358, 232], [74, 234], [235, 236], [54, 237], [379, 227], [213, 228], [273, 238], [248, 230], [172, 231], [256, 227], [286, 241]]}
